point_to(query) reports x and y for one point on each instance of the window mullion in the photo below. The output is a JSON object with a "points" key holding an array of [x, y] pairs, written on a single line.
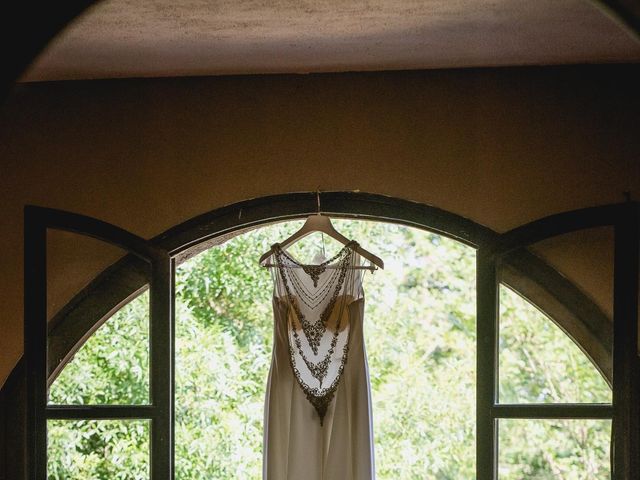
{"points": [[101, 412], [161, 367], [626, 384], [553, 410], [35, 341], [487, 364]]}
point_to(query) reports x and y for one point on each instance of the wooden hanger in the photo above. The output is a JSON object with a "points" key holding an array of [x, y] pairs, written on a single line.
{"points": [[322, 223]]}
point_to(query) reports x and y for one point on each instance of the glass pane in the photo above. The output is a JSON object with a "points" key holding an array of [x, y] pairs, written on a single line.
{"points": [[419, 331], [554, 449], [98, 449], [564, 354], [112, 367], [570, 278], [539, 363], [223, 349]]}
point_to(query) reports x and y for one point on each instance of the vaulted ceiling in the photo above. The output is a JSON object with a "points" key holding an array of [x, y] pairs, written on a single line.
{"points": [[141, 38]]}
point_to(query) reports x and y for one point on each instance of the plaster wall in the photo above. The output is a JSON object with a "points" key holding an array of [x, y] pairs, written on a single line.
{"points": [[499, 146]]}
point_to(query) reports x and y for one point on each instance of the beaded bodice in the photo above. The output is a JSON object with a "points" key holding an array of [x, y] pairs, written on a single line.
{"points": [[316, 300]]}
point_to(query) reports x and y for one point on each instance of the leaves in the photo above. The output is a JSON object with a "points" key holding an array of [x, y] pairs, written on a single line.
{"points": [[112, 367]]}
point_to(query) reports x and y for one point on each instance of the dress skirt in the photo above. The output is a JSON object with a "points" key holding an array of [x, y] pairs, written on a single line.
{"points": [[296, 445]]}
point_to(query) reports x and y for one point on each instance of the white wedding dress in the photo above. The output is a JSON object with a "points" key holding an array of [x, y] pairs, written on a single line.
{"points": [[317, 420]]}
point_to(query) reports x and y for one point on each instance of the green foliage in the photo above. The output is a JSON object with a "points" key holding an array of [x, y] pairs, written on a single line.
{"points": [[112, 366], [98, 450], [539, 363], [420, 340], [553, 449]]}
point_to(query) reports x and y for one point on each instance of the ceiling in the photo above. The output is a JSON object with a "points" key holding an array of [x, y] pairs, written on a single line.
{"points": [[159, 38]]}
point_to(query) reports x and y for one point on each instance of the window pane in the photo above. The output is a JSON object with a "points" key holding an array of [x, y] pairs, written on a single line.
{"points": [[223, 350], [539, 363], [112, 367], [419, 332], [554, 449], [98, 449]]}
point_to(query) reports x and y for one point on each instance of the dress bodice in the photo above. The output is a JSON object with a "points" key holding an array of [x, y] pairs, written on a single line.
{"points": [[313, 303]]}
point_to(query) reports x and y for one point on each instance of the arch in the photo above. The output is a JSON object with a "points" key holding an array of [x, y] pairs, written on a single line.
{"points": [[527, 274], [572, 310]]}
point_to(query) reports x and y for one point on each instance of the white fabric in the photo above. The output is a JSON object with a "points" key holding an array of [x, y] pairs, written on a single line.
{"points": [[296, 445]]}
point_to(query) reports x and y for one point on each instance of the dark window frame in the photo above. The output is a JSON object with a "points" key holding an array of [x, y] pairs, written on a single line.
{"points": [[201, 232], [624, 409], [159, 412]]}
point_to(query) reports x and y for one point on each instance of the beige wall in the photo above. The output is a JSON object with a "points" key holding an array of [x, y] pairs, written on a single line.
{"points": [[501, 147]]}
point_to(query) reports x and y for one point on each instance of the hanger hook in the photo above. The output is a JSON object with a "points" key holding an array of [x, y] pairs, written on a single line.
{"points": [[318, 199]]}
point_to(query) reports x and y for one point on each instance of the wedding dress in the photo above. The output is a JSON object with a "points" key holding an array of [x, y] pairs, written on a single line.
{"points": [[317, 420]]}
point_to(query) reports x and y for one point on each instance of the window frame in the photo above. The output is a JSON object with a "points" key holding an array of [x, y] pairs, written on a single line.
{"points": [[159, 411], [201, 232], [624, 409]]}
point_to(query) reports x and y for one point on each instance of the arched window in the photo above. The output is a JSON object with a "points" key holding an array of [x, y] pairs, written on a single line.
{"points": [[550, 412]]}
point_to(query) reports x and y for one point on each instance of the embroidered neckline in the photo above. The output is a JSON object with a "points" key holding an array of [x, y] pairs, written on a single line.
{"points": [[314, 270], [352, 244]]}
